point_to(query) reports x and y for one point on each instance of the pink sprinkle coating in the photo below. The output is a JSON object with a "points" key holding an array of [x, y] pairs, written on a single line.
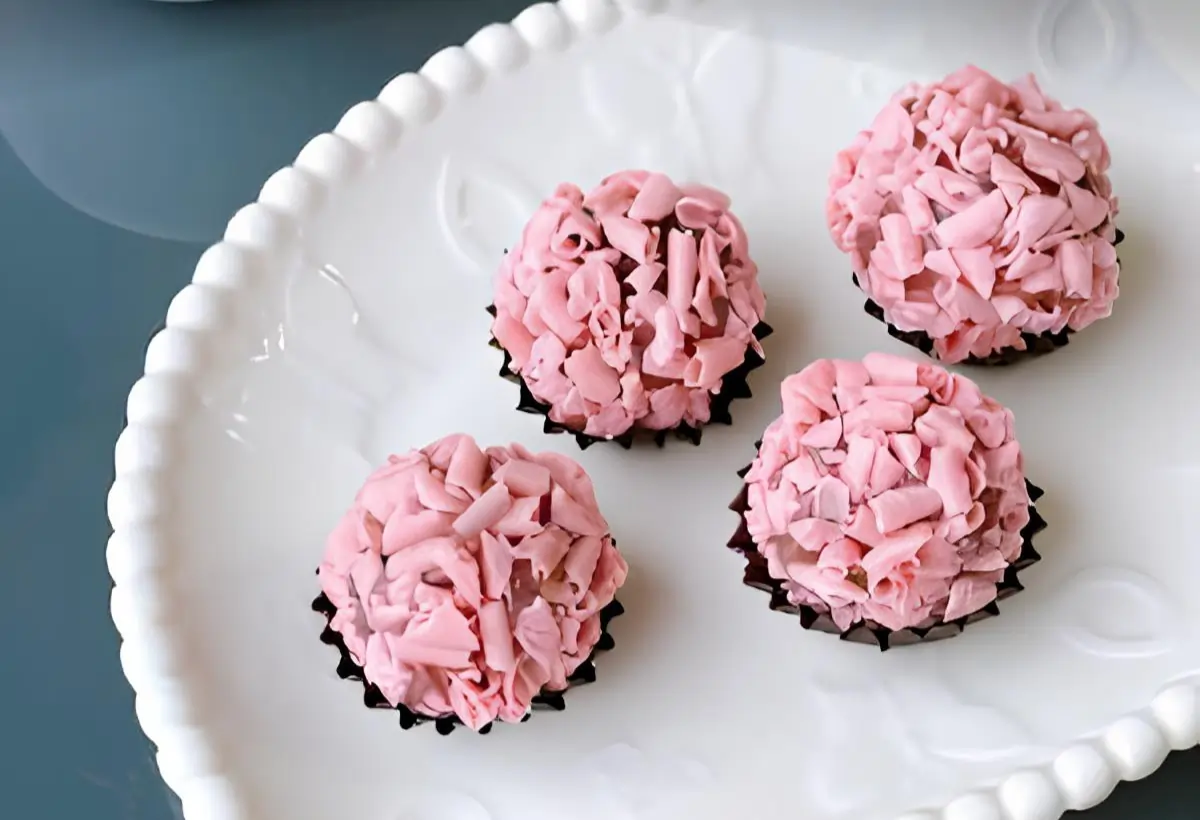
{"points": [[888, 491], [626, 307], [976, 211], [466, 581]]}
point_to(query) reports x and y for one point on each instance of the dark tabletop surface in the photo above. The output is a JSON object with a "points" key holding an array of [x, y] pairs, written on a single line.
{"points": [[129, 132]]}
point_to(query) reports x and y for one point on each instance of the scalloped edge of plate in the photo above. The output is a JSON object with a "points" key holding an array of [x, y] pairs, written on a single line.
{"points": [[1079, 777]]}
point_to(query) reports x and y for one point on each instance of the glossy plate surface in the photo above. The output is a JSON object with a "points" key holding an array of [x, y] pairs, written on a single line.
{"points": [[342, 318]]}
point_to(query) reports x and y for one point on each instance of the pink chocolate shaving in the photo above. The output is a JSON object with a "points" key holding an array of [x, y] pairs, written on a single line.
{"points": [[976, 211], [888, 490], [626, 307], [468, 580]]}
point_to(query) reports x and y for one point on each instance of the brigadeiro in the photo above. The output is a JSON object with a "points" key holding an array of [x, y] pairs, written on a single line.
{"points": [[978, 217], [634, 307], [467, 586], [888, 504]]}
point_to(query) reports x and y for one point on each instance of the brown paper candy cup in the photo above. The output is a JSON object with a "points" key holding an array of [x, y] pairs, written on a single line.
{"points": [[870, 632], [546, 700], [733, 386], [1035, 344]]}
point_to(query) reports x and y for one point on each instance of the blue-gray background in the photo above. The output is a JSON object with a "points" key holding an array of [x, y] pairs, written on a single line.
{"points": [[129, 132]]}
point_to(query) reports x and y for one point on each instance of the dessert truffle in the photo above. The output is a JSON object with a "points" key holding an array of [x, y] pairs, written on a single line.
{"points": [[978, 217], [635, 307], [466, 586], [888, 504]]}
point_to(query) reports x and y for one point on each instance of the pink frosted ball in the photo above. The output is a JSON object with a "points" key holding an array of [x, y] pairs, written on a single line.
{"points": [[979, 214], [466, 581], [889, 492], [627, 307]]}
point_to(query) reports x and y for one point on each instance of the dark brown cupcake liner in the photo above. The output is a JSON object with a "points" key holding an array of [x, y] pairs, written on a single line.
{"points": [[1036, 345], [868, 631], [544, 701], [734, 385]]}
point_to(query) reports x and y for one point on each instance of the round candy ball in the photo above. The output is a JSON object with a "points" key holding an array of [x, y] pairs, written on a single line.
{"points": [[889, 493], [978, 217], [466, 582], [634, 306]]}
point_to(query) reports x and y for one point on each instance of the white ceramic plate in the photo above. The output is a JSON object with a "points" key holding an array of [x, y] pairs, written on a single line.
{"points": [[342, 318]]}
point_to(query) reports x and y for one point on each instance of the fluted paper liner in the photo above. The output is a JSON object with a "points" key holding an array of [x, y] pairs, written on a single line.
{"points": [[1036, 345], [546, 700], [733, 386], [870, 632]]}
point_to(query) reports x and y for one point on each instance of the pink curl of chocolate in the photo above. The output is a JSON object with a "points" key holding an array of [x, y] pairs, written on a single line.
{"points": [[625, 307], [888, 491], [975, 211], [468, 581]]}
